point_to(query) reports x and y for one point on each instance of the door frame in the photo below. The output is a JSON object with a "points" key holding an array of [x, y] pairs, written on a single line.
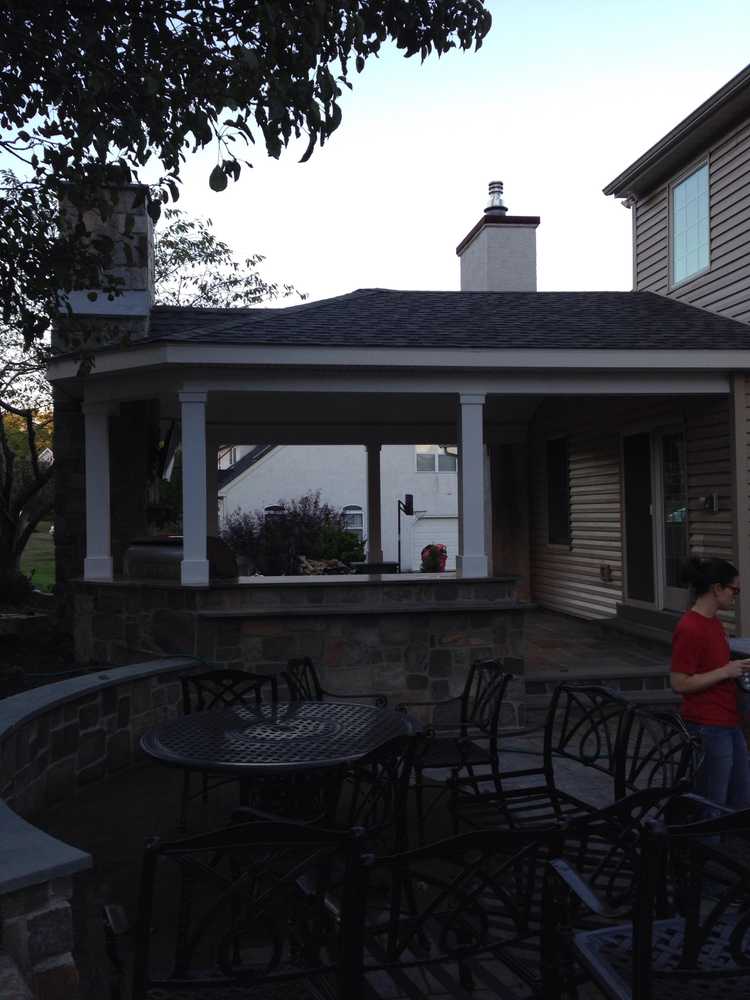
{"points": [[655, 432], [629, 431], [667, 598]]}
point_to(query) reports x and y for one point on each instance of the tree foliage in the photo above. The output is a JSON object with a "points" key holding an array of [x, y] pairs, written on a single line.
{"points": [[94, 94], [195, 268]]}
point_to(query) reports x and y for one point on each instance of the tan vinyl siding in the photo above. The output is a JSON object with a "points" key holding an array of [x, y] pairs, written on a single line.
{"points": [[569, 578], [725, 287]]}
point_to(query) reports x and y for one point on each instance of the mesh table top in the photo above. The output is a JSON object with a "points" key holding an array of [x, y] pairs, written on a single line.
{"points": [[287, 736]]}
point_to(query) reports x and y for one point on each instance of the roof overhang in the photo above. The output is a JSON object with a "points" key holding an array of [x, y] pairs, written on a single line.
{"points": [[212, 358], [716, 116]]}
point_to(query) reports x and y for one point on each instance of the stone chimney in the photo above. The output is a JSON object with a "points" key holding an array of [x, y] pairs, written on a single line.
{"points": [[499, 254], [120, 215]]}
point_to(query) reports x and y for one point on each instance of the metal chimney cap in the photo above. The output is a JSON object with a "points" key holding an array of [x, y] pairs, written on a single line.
{"points": [[496, 205]]}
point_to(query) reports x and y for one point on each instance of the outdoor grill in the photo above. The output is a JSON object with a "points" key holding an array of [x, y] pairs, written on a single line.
{"points": [[159, 558]]}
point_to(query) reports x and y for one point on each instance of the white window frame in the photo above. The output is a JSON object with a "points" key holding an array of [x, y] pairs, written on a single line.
{"points": [[435, 453], [673, 186], [355, 509]]}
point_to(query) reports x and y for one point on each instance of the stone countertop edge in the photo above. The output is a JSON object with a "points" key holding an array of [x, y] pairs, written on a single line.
{"points": [[355, 579], [26, 706], [28, 855], [323, 611]]}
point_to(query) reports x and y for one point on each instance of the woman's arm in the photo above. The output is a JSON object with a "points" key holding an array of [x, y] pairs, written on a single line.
{"points": [[693, 683]]}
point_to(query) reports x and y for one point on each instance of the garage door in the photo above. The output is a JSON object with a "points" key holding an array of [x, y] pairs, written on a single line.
{"points": [[429, 530]]}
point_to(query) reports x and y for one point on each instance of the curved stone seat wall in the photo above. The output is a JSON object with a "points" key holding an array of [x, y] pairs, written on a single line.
{"points": [[54, 741]]}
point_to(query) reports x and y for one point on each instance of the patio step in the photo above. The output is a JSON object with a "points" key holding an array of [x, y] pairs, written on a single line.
{"points": [[653, 628], [646, 685]]}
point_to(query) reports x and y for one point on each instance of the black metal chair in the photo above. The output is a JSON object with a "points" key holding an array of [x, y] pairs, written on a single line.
{"points": [[303, 684], [223, 913], [461, 915], [584, 725], [689, 936], [219, 689], [457, 724]]}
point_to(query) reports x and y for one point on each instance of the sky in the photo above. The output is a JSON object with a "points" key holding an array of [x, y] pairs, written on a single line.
{"points": [[562, 96]]}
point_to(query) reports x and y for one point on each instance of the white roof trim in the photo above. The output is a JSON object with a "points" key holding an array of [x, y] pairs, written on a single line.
{"points": [[392, 358]]}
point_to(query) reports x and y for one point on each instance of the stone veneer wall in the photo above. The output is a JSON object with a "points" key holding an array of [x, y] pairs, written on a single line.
{"points": [[54, 741], [405, 638]]}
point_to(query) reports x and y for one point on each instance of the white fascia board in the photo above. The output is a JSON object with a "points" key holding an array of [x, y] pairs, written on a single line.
{"points": [[458, 359]]}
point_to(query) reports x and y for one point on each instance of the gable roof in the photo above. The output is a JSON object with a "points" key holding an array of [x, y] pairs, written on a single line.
{"points": [[378, 317], [721, 112], [226, 476]]}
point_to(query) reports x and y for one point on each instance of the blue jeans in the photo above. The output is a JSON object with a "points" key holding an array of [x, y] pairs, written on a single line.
{"points": [[724, 775]]}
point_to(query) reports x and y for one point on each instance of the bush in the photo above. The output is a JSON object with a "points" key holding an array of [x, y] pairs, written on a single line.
{"points": [[15, 587], [272, 542]]}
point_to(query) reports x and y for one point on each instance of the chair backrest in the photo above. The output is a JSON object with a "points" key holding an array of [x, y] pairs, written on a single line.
{"points": [[302, 680], [374, 795], [707, 942], [584, 723], [656, 751], [225, 688], [483, 692], [248, 905], [460, 909]]}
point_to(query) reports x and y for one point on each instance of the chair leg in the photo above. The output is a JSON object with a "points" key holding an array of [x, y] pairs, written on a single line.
{"points": [[419, 797], [182, 822]]}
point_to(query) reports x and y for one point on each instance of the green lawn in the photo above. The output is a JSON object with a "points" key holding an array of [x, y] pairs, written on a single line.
{"points": [[39, 557]]}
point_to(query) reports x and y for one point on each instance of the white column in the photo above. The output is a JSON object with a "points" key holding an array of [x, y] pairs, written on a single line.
{"points": [[374, 529], [212, 488], [194, 517], [97, 564], [472, 557]]}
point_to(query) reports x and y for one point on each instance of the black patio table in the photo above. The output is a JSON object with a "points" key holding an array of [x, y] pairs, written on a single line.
{"points": [[274, 739]]}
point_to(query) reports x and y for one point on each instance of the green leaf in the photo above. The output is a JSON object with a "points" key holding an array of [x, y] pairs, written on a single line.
{"points": [[218, 179]]}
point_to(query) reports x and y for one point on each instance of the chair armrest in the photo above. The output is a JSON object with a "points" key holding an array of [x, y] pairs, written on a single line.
{"points": [[580, 888], [381, 700], [404, 705]]}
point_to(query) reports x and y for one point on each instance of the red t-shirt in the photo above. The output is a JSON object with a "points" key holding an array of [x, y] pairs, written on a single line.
{"points": [[699, 644]]}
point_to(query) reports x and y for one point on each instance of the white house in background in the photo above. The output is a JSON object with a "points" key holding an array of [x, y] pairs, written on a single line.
{"points": [[256, 477]]}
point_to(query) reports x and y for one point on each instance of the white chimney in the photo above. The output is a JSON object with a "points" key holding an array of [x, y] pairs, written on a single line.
{"points": [[499, 254]]}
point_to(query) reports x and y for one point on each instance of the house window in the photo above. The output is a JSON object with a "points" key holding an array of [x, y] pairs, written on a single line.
{"points": [[353, 520], [435, 458], [690, 230], [558, 492]]}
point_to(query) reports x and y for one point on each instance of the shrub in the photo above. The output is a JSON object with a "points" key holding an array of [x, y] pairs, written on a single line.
{"points": [[272, 542]]}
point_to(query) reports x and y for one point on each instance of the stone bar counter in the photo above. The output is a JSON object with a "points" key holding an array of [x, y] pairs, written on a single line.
{"points": [[410, 636]]}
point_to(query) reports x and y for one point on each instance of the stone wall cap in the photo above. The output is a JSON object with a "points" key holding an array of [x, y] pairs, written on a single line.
{"points": [[249, 582], [23, 707], [29, 856], [345, 610]]}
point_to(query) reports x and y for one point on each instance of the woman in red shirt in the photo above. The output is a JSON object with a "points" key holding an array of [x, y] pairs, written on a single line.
{"points": [[704, 675]]}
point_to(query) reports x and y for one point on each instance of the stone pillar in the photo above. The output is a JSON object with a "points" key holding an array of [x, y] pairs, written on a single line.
{"points": [[98, 562], [194, 507], [740, 411], [374, 529], [70, 500], [212, 487], [472, 557]]}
